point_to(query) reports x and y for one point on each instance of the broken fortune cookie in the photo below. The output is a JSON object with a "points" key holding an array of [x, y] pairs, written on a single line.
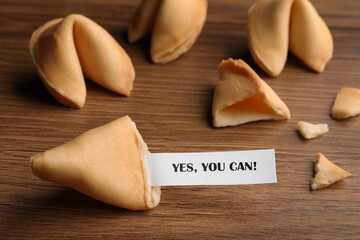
{"points": [[241, 96], [107, 163], [276, 26], [347, 103], [310, 131], [174, 26], [65, 49], [326, 173]]}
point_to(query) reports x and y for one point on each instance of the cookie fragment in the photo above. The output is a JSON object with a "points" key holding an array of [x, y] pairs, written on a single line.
{"points": [[309, 130], [326, 173], [347, 103], [241, 96], [107, 163]]}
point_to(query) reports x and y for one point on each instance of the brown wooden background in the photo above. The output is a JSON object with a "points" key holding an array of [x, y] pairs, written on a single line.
{"points": [[171, 105]]}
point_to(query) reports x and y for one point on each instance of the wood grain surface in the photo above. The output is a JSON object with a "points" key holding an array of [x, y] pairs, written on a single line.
{"points": [[171, 105]]}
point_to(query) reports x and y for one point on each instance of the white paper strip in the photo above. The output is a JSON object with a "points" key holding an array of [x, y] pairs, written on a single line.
{"points": [[212, 168]]}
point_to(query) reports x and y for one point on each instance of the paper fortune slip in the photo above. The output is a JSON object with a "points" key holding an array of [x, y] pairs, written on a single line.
{"points": [[212, 168]]}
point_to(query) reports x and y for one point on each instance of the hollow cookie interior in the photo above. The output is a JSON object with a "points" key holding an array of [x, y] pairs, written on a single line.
{"points": [[247, 110], [107, 163]]}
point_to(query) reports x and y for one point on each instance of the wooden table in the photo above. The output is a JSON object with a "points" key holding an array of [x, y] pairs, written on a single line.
{"points": [[171, 105]]}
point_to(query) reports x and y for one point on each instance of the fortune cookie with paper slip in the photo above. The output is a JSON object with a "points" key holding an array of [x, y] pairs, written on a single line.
{"points": [[65, 49], [174, 26], [106, 163], [276, 26], [241, 96]]}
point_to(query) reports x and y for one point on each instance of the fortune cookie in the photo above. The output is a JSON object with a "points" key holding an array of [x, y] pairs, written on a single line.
{"points": [[276, 26], [64, 49], [310, 131], [241, 96], [174, 26], [326, 173], [347, 103], [106, 163], [268, 34]]}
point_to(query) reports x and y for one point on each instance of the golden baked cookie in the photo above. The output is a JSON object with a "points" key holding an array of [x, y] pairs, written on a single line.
{"points": [[106, 163], [326, 173], [65, 49], [347, 103], [241, 96], [276, 26], [174, 26], [310, 130]]}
